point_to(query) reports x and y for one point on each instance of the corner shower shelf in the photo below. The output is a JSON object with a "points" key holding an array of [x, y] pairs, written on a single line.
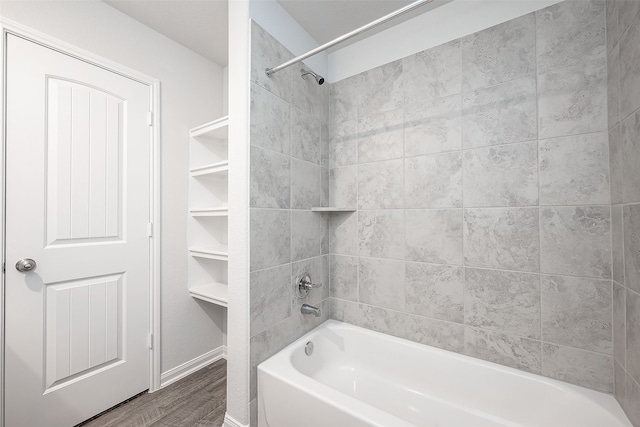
{"points": [[333, 209], [223, 211], [215, 293], [220, 253], [220, 168]]}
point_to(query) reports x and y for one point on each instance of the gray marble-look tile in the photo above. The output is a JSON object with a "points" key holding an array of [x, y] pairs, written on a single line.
{"points": [[266, 344], [619, 324], [520, 353], [617, 244], [343, 310], [616, 165], [306, 141], [613, 34], [270, 294], [380, 185], [318, 269], [570, 32], [499, 54], [270, 122], [343, 186], [343, 276], [433, 126], [435, 291], [577, 312], [504, 175], [576, 241], [433, 236], [630, 155], [308, 95], [307, 233], [573, 100], [270, 237], [433, 181], [618, 383], [500, 114], [343, 233], [382, 320], [630, 69], [628, 11], [267, 52], [433, 73], [633, 334], [270, 178], [381, 283], [503, 238], [632, 398], [342, 99], [613, 84], [574, 170], [381, 234], [380, 89], [324, 187], [380, 136], [435, 333], [584, 368], [324, 144], [631, 218], [343, 144], [306, 185], [503, 301]]}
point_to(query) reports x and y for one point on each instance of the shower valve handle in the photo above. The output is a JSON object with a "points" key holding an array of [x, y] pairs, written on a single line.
{"points": [[304, 284]]}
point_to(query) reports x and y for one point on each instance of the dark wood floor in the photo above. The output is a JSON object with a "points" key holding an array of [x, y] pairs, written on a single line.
{"points": [[197, 400]]}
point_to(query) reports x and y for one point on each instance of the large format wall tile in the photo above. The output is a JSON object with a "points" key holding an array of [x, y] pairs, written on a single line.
{"points": [[576, 241], [433, 73], [266, 52], [381, 233], [344, 233], [380, 136], [499, 54], [632, 397], [631, 218], [434, 236], [521, 353], [584, 368], [270, 121], [270, 296], [628, 11], [574, 170], [633, 334], [306, 94], [308, 231], [380, 185], [503, 238], [343, 143], [343, 98], [570, 32], [613, 84], [270, 179], [435, 291], [433, 181], [612, 24], [433, 126], [503, 301], [505, 175], [375, 318], [630, 69], [306, 142], [617, 244], [619, 324], [500, 114], [573, 100], [449, 336], [343, 186], [616, 165], [380, 89], [381, 283], [343, 276], [306, 185], [577, 312], [630, 155], [618, 383], [270, 234], [318, 270]]}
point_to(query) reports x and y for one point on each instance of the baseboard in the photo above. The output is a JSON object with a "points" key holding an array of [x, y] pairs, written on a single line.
{"points": [[187, 368], [230, 422]]}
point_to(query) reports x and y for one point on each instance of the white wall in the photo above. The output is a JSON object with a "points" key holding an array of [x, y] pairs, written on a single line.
{"points": [[450, 21], [191, 95]]}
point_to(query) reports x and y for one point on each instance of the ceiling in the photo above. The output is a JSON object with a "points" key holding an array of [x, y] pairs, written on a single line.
{"points": [[201, 25]]}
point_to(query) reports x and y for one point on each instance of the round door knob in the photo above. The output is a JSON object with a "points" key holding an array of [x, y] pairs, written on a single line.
{"points": [[25, 265]]}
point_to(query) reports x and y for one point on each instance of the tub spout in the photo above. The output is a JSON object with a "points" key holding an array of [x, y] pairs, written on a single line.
{"points": [[309, 309]]}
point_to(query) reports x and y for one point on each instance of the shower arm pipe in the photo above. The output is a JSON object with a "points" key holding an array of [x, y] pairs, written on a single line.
{"points": [[370, 25]]}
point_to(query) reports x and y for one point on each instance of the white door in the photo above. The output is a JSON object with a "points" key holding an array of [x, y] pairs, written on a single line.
{"points": [[77, 203]]}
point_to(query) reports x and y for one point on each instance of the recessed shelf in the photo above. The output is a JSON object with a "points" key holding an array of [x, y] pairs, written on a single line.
{"points": [[220, 168], [223, 211], [217, 129], [215, 293], [220, 253], [332, 209]]}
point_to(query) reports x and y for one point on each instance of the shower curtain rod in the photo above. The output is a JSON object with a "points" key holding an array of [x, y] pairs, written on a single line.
{"points": [[401, 11]]}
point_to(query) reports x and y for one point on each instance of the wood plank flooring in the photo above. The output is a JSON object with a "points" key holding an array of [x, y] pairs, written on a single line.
{"points": [[197, 400]]}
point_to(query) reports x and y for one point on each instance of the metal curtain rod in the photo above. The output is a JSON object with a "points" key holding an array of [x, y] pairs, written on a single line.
{"points": [[401, 11]]}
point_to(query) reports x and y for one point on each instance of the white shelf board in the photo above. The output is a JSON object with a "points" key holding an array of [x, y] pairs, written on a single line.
{"points": [[220, 253], [215, 293], [220, 168], [224, 211], [217, 129], [332, 209]]}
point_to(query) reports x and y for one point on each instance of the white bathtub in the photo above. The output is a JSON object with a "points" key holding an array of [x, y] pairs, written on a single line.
{"points": [[356, 377]]}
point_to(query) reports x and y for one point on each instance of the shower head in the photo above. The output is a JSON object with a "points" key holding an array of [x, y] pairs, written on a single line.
{"points": [[319, 79]]}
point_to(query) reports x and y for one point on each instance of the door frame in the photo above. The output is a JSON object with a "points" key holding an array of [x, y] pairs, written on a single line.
{"points": [[8, 27]]}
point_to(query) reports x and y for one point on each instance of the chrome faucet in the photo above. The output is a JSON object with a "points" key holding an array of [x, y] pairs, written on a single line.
{"points": [[309, 309]]}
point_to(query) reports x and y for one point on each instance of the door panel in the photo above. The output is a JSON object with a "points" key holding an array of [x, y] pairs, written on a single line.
{"points": [[77, 197]]}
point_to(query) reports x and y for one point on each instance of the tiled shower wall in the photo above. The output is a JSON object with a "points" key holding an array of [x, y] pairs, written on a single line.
{"points": [[288, 176], [623, 48], [480, 173]]}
